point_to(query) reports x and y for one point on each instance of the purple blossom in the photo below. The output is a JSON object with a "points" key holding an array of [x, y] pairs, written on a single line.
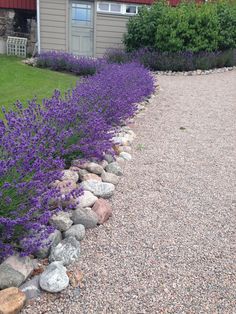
{"points": [[37, 142]]}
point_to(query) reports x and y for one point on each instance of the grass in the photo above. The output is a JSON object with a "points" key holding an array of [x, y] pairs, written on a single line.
{"points": [[22, 82]]}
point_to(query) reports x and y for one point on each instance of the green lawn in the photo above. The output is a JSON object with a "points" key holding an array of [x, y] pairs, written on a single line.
{"points": [[22, 82]]}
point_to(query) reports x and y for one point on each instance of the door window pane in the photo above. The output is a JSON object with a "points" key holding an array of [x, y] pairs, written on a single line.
{"points": [[81, 12]]}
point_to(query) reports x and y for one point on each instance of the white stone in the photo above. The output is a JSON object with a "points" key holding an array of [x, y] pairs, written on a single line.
{"points": [[77, 231], [67, 251], [100, 189], [54, 278], [61, 221], [110, 178], [69, 175], [86, 200], [94, 168], [86, 217], [125, 156], [114, 168]]}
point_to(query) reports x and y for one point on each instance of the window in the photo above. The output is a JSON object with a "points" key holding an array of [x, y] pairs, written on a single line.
{"points": [[131, 9], [117, 8], [103, 6], [81, 12]]}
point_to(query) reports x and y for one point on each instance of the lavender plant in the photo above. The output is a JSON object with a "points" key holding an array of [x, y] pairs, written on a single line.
{"points": [[37, 142], [63, 61]]}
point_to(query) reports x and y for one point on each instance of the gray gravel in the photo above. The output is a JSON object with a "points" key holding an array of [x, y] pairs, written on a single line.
{"points": [[170, 246]]}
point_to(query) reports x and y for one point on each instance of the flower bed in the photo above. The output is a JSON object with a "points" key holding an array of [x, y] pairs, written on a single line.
{"points": [[63, 61], [39, 141], [174, 61]]}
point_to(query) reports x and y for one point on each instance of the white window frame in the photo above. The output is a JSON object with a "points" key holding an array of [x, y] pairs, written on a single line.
{"points": [[122, 11]]}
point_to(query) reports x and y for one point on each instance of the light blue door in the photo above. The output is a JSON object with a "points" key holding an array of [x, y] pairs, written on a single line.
{"points": [[81, 28]]}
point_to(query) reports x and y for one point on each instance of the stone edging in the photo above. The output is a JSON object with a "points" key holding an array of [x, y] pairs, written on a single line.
{"points": [[46, 270], [196, 72]]}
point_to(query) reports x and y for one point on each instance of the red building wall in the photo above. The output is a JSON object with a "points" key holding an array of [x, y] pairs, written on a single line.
{"points": [[18, 4]]}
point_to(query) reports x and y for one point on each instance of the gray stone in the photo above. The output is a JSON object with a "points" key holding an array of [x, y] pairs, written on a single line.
{"points": [[82, 172], [114, 168], [67, 251], [23, 264], [118, 140], [94, 168], [15, 270], [69, 175], [86, 200], [53, 239], [109, 158], [125, 156], [85, 216], [10, 277], [120, 161], [31, 288], [100, 189], [54, 278], [110, 178], [77, 231], [61, 221], [103, 163], [126, 149]]}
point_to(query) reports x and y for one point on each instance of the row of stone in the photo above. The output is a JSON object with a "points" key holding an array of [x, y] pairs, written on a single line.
{"points": [[196, 72]]}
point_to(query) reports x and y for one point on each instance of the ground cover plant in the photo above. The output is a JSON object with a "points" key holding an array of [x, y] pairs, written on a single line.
{"points": [[199, 32], [19, 81], [37, 142]]}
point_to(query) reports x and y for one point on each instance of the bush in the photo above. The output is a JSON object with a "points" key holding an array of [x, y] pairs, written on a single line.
{"points": [[116, 55], [36, 142], [63, 61], [187, 27], [177, 61], [185, 61]]}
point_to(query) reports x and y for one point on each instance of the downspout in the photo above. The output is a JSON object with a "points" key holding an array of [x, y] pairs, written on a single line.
{"points": [[38, 26]]}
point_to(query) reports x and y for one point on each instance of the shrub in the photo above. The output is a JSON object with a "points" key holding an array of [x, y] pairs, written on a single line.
{"points": [[179, 61], [63, 61], [36, 142], [184, 61], [116, 55], [187, 27]]}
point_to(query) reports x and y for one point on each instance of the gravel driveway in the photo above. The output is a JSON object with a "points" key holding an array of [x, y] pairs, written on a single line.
{"points": [[171, 244]]}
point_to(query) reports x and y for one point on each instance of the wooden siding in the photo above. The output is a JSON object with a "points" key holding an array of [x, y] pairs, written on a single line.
{"points": [[53, 24], [110, 29]]}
